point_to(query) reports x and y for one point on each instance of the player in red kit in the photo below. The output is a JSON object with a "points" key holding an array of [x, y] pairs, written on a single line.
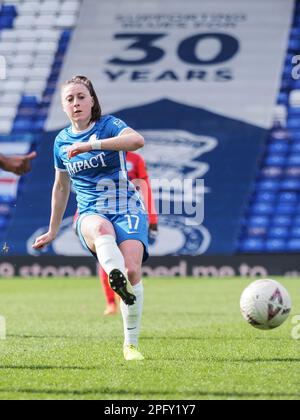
{"points": [[137, 172]]}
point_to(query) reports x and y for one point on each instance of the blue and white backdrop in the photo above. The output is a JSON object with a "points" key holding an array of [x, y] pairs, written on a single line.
{"points": [[199, 79]]}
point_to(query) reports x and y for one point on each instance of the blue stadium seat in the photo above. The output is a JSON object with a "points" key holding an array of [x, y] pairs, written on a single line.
{"points": [[258, 222], [285, 87], [293, 122], [285, 209], [58, 61], [278, 233], [282, 221], [273, 222], [62, 48], [288, 197], [47, 99], [279, 134], [296, 136], [278, 147], [26, 112], [22, 124], [275, 245], [295, 232], [272, 172], [8, 10], [7, 199], [293, 245], [294, 160], [292, 172], [287, 71], [268, 185], [66, 35], [3, 222], [257, 232], [39, 124], [290, 185], [53, 78], [296, 221], [294, 45], [294, 112], [295, 148], [263, 209], [295, 84], [42, 113], [5, 210], [252, 245], [30, 101], [295, 32], [265, 197], [283, 98], [276, 160], [6, 22]]}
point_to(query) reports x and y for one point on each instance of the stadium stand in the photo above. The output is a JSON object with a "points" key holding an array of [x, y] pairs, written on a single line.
{"points": [[272, 220], [34, 38]]}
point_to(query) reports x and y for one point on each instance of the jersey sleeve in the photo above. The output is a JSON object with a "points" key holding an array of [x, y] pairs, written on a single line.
{"points": [[58, 163], [115, 127]]}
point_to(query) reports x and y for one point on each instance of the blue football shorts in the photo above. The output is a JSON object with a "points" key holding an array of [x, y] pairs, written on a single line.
{"points": [[127, 227]]}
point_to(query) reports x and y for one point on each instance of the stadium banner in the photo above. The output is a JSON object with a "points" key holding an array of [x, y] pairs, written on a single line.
{"points": [[199, 80], [248, 266]]}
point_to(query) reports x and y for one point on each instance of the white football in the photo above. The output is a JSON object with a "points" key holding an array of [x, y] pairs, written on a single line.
{"points": [[266, 304]]}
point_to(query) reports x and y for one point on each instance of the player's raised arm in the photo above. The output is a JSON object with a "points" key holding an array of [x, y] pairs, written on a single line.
{"points": [[129, 141], [60, 196]]}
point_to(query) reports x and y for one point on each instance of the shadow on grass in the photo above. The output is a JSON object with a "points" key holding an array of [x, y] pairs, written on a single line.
{"points": [[122, 393], [230, 360], [165, 359], [147, 338], [50, 367], [213, 338], [61, 337]]}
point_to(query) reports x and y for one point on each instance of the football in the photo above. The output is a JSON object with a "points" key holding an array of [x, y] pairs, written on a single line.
{"points": [[266, 304]]}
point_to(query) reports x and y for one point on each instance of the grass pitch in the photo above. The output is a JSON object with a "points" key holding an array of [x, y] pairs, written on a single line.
{"points": [[197, 346]]}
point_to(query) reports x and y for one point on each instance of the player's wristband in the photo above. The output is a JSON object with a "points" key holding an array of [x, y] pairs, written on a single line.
{"points": [[96, 144]]}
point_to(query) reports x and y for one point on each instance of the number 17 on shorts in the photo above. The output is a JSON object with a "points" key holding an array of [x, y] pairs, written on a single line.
{"points": [[133, 223]]}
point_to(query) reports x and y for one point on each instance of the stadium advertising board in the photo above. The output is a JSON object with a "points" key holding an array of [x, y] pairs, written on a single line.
{"points": [[207, 266]]}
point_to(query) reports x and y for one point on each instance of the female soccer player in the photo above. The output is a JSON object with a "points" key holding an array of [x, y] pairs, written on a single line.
{"points": [[112, 222], [138, 174]]}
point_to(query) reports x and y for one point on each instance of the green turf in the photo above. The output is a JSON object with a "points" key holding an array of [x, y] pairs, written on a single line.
{"points": [[195, 342]]}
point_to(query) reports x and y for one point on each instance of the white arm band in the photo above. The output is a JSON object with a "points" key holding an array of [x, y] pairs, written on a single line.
{"points": [[96, 144]]}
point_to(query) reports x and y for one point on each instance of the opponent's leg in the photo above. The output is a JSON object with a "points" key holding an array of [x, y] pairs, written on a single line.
{"points": [[133, 252]]}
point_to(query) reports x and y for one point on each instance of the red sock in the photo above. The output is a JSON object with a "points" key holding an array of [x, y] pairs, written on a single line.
{"points": [[109, 293]]}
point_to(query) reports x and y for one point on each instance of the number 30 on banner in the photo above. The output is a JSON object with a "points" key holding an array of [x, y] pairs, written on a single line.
{"points": [[229, 46]]}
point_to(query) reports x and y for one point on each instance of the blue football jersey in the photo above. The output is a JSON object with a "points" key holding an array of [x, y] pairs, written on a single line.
{"points": [[99, 178]]}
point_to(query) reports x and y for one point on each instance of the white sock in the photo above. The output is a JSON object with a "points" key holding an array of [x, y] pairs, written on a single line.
{"points": [[109, 254], [132, 316]]}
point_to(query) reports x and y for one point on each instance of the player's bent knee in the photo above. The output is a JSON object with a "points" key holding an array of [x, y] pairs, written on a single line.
{"points": [[102, 230]]}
